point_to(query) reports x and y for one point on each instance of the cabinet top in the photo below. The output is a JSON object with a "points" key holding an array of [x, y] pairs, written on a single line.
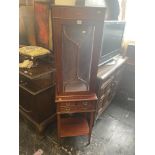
{"points": [[107, 69], [36, 72]]}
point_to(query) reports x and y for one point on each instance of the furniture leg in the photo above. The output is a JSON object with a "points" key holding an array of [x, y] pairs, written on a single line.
{"points": [[90, 126]]}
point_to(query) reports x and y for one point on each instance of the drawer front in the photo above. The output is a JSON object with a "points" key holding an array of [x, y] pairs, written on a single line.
{"points": [[106, 90], [102, 101], [71, 107]]}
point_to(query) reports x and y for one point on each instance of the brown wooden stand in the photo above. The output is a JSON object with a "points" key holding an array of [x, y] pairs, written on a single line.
{"points": [[78, 125], [77, 35]]}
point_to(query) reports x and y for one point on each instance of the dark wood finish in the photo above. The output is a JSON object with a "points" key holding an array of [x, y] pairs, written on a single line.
{"points": [[38, 109], [108, 79], [36, 72], [77, 35], [37, 95]]}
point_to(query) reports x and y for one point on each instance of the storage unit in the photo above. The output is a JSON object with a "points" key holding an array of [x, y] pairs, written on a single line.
{"points": [[108, 79], [37, 94], [77, 35]]}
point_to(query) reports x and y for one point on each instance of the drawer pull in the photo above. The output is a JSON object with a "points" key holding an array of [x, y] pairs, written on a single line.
{"points": [[85, 103], [67, 109]]}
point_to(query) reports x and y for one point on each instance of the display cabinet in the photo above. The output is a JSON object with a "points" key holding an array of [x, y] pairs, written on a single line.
{"points": [[77, 35], [37, 93]]}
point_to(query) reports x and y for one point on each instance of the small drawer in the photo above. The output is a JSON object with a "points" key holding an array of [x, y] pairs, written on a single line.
{"points": [[106, 83], [105, 90], [76, 106], [79, 104], [66, 104]]}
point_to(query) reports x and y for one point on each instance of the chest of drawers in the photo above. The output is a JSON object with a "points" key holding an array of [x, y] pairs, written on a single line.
{"points": [[108, 80]]}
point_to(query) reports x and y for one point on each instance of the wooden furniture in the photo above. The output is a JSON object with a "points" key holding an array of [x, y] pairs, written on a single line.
{"points": [[37, 95], [108, 79], [77, 35]]}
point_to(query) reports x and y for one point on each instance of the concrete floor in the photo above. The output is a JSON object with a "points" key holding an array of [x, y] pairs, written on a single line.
{"points": [[113, 134]]}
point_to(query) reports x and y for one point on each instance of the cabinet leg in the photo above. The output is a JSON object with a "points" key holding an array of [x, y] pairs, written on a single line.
{"points": [[58, 127], [89, 138], [90, 126]]}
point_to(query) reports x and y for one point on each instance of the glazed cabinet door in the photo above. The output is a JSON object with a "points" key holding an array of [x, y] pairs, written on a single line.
{"points": [[77, 44]]}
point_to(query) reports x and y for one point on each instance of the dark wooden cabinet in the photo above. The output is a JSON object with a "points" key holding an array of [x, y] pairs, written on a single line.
{"points": [[37, 95], [108, 79], [77, 35]]}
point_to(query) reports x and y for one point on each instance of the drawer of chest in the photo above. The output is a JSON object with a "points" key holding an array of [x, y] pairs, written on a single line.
{"points": [[107, 83], [76, 106]]}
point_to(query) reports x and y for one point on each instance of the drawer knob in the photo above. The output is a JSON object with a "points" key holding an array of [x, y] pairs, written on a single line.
{"points": [[67, 109], [85, 103]]}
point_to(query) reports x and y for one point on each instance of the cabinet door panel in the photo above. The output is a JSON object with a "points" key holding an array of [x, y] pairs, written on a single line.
{"points": [[77, 41], [77, 44]]}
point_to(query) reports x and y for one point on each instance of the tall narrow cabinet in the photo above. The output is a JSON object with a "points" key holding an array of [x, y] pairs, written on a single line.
{"points": [[77, 35]]}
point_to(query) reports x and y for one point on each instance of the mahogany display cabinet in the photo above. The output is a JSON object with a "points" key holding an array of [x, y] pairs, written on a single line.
{"points": [[77, 35]]}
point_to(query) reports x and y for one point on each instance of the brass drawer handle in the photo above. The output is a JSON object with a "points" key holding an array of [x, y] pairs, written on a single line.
{"points": [[85, 103], [67, 109]]}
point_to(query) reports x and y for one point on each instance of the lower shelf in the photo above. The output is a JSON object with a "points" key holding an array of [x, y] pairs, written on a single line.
{"points": [[74, 127]]}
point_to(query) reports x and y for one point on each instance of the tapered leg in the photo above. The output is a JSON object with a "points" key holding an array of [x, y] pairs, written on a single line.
{"points": [[58, 126], [90, 126]]}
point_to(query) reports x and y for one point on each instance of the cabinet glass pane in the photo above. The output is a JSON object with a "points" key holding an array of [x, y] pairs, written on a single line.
{"points": [[77, 48]]}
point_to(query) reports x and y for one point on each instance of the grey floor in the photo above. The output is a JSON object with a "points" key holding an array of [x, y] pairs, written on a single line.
{"points": [[113, 134]]}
